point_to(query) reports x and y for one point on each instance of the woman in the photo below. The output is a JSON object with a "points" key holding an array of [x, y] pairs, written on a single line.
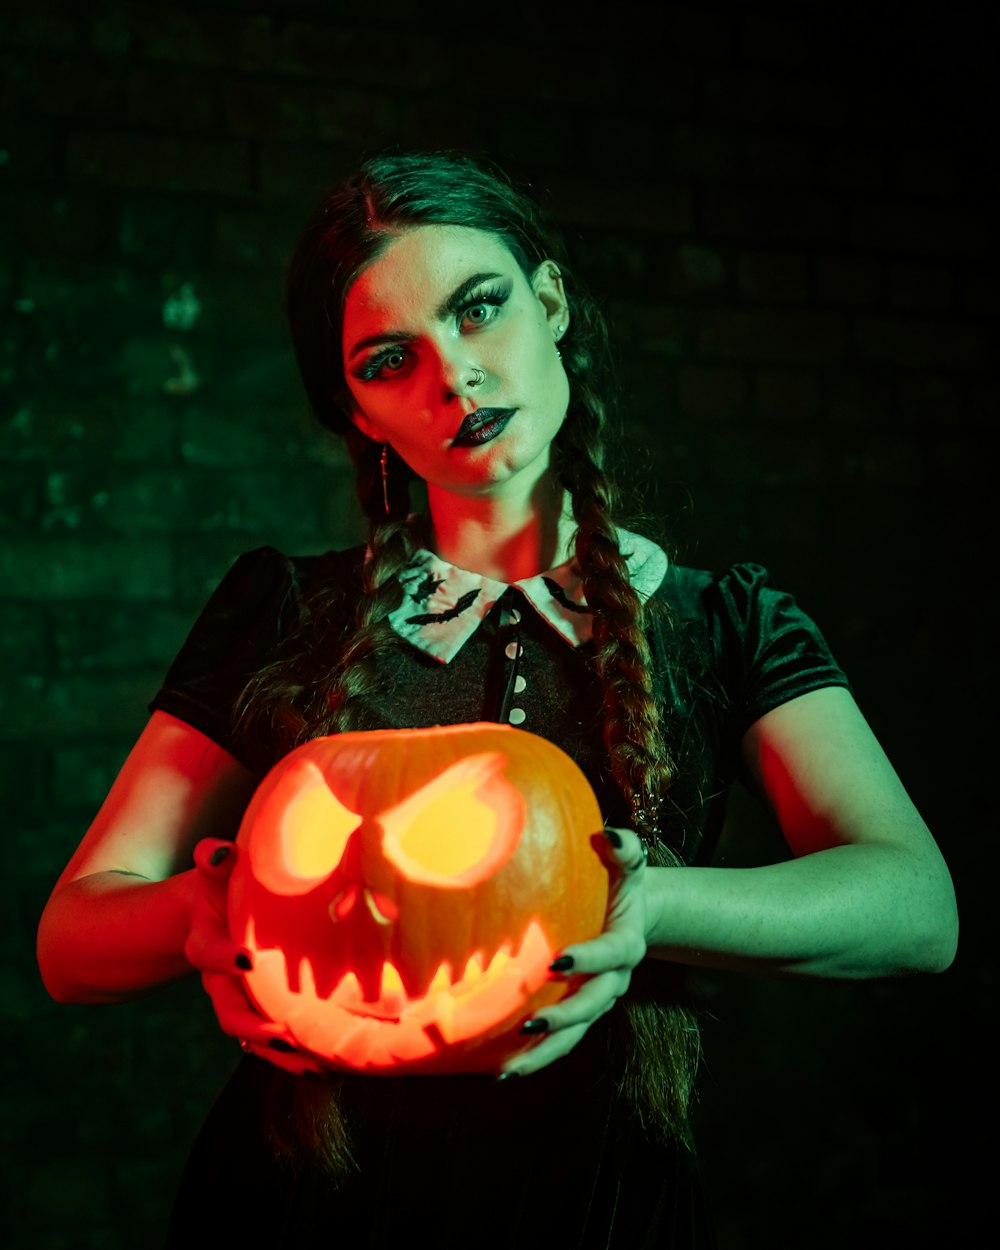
{"points": [[437, 331]]}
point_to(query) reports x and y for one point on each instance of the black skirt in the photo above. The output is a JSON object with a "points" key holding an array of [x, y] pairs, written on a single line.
{"points": [[553, 1160]]}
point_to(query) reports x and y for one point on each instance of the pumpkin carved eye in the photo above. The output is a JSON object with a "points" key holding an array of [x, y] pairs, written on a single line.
{"points": [[459, 829], [313, 829]]}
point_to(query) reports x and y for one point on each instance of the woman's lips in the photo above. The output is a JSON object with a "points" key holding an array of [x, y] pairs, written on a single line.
{"points": [[481, 426]]}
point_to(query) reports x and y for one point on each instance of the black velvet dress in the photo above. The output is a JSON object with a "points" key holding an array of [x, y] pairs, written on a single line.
{"points": [[557, 1159]]}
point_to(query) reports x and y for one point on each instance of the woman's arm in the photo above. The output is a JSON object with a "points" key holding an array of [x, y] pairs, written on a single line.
{"points": [[868, 893], [119, 917]]}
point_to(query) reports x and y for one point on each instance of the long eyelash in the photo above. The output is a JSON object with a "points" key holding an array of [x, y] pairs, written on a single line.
{"points": [[370, 369], [492, 295]]}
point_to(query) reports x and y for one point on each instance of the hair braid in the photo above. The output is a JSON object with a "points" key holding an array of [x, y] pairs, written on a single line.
{"points": [[637, 753], [390, 547], [664, 1050]]}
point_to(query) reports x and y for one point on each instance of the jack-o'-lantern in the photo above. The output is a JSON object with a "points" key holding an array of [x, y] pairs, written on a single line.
{"points": [[404, 891]]}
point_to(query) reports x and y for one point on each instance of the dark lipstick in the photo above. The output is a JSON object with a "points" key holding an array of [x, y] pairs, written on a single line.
{"points": [[481, 426]]}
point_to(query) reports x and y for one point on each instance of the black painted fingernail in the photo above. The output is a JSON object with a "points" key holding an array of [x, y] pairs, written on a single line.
{"points": [[279, 1043], [562, 964], [243, 962], [538, 1025], [614, 837], [218, 855]]}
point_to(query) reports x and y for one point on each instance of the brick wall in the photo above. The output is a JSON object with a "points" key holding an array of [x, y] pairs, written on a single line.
{"points": [[786, 209]]}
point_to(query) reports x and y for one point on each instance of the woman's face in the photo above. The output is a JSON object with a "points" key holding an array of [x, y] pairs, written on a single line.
{"points": [[443, 326]]}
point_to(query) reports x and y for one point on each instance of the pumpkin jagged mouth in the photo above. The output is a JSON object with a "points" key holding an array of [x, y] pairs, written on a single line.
{"points": [[396, 1026]]}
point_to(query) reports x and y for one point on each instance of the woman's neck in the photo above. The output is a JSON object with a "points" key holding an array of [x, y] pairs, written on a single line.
{"points": [[503, 537]]}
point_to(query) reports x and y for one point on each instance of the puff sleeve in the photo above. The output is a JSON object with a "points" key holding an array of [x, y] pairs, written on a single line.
{"points": [[769, 650], [238, 628]]}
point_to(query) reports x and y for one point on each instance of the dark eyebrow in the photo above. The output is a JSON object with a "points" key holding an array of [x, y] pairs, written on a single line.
{"points": [[451, 306]]}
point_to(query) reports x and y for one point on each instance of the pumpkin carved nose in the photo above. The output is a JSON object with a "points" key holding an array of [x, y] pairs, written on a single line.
{"points": [[383, 910]]}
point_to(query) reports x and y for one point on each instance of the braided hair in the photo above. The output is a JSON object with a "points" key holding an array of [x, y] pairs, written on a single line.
{"points": [[298, 695]]}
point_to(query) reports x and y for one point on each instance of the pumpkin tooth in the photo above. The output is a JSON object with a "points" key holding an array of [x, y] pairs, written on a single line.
{"points": [[499, 962], [347, 990], [474, 968], [534, 956], [445, 1018], [307, 978], [392, 982], [392, 996], [442, 979]]}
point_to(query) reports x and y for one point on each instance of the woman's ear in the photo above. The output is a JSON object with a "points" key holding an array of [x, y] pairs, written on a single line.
{"points": [[367, 427], [547, 284]]}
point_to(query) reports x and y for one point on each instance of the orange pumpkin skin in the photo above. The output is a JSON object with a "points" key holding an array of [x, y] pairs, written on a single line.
{"points": [[404, 891]]}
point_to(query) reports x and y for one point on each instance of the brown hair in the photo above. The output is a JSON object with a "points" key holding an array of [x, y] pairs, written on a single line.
{"points": [[300, 699]]}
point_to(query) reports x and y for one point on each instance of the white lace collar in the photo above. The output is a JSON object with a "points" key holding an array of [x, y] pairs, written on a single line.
{"points": [[444, 605]]}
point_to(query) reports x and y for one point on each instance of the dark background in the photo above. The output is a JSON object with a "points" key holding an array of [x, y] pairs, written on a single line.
{"points": [[788, 212]]}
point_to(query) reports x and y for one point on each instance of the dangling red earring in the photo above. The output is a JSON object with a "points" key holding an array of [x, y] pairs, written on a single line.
{"points": [[385, 477]]}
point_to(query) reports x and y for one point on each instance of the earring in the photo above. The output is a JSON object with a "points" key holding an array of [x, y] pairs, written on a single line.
{"points": [[385, 477]]}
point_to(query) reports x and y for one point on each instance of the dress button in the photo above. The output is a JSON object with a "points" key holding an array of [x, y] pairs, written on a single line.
{"points": [[515, 616], [513, 650], [519, 684], [517, 715]]}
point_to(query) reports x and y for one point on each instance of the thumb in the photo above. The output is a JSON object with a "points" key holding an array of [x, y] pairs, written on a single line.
{"points": [[215, 857], [624, 850]]}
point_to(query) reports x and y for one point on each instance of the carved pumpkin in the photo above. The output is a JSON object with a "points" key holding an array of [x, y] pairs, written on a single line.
{"points": [[404, 892]]}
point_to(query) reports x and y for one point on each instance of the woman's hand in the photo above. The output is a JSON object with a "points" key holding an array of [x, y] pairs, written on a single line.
{"points": [[221, 962], [606, 962]]}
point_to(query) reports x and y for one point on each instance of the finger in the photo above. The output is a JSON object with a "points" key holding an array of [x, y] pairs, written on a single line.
{"points": [[543, 1052], [238, 1018], [596, 996], [298, 1063], [215, 857], [215, 952], [237, 1015], [626, 850], [620, 946]]}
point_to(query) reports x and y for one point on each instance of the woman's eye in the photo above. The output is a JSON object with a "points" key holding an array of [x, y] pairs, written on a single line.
{"points": [[484, 309], [391, 361], [480, 313]]}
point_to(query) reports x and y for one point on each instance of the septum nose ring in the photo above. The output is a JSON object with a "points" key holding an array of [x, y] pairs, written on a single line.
{"points": [[478, 378]]}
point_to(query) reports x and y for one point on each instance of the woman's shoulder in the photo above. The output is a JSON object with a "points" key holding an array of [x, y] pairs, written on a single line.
{"points": [[266, 582], [266, 564], [692, 592]]}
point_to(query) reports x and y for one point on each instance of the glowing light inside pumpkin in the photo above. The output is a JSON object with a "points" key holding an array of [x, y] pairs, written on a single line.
{"points": [[458, 829]]}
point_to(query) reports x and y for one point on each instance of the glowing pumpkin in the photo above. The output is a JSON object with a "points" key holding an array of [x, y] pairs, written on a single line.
{"points": [[404, 892]]}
